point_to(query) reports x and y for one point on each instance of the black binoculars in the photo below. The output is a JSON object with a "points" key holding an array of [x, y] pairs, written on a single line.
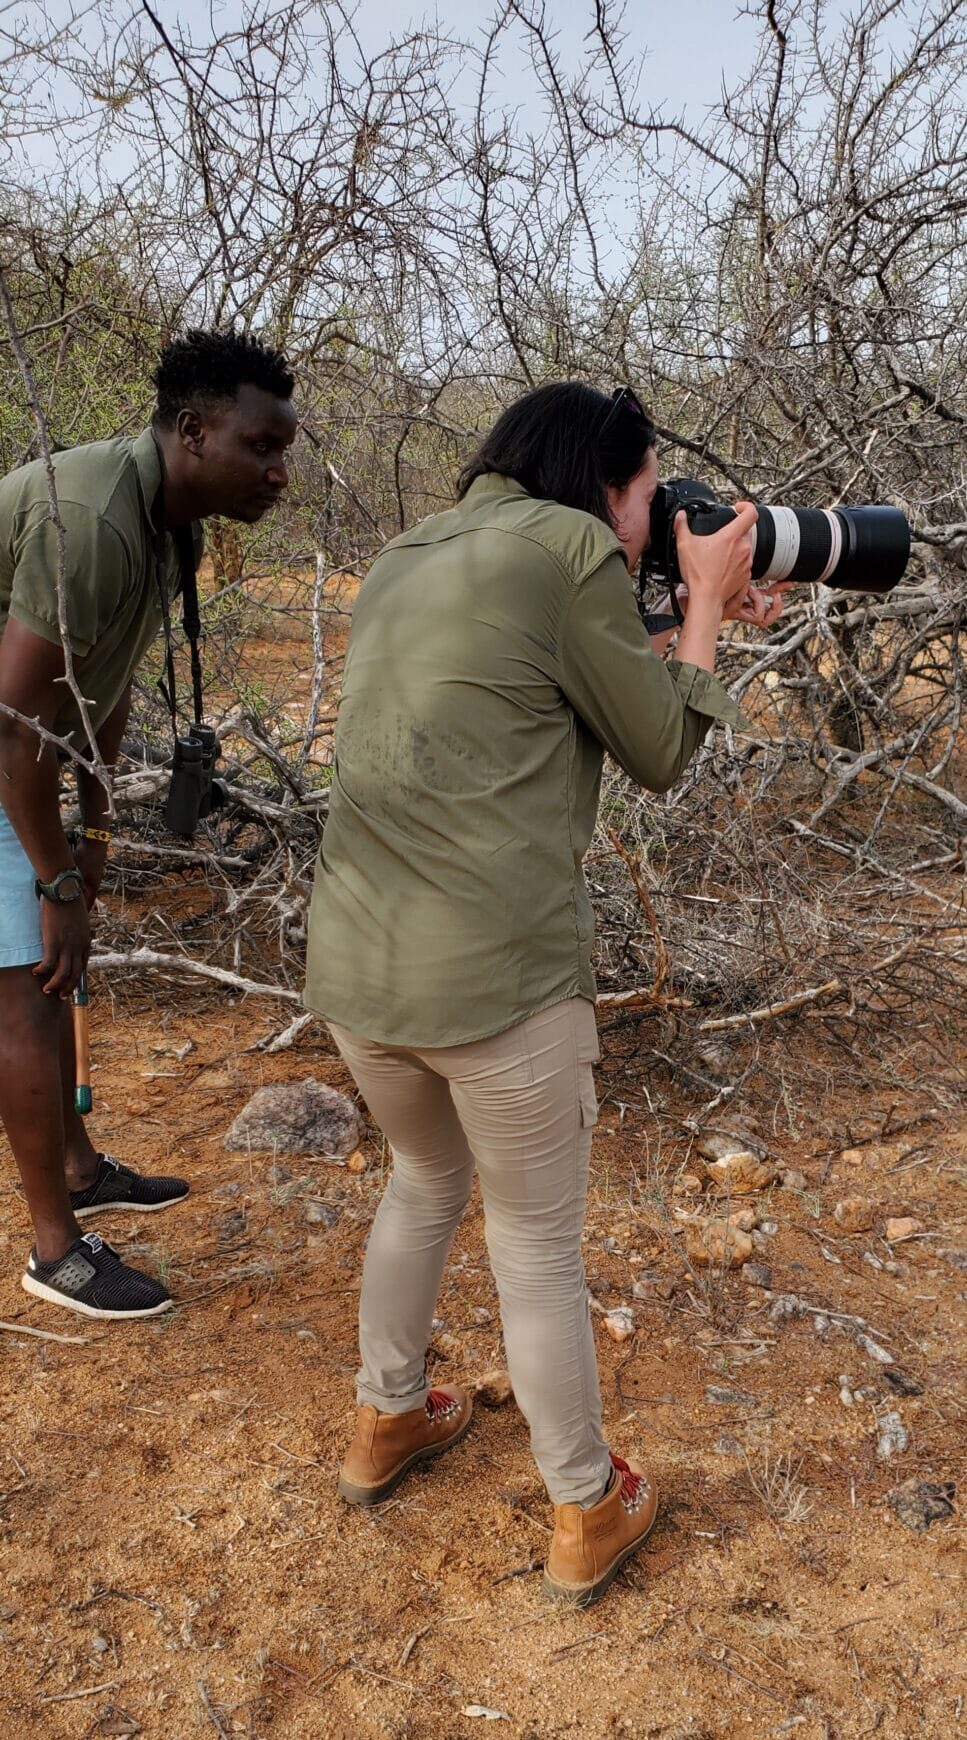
{"points": [[194, 791]]}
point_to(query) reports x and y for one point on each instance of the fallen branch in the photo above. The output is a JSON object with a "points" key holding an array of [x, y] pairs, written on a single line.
{"points": [[788, 1005], [150, 961], [768, 1011], [288, 1036], [643, 994]]}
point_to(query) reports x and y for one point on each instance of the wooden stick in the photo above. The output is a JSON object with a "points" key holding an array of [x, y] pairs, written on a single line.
{"points": [[83, 1098]]}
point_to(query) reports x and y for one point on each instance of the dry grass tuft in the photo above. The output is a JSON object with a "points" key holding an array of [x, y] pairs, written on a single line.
{"points": [[777, 1485]]}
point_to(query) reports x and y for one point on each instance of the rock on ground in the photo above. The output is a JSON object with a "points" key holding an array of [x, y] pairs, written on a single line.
{"points": [[904, 1226], [854, 1214], [918, 1503], [321, 1213], [757, 1275], [719, 1242], [892, 1437], [302, 1118], [620, 1323], [740, 1174], [493, 1388]]}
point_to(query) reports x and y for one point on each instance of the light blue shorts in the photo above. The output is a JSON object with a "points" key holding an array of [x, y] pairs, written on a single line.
{"points": [[20, 939]]}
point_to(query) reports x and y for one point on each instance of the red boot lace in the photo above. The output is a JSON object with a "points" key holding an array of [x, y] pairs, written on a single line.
{"points": [[629, 1482], [439, 1406]]}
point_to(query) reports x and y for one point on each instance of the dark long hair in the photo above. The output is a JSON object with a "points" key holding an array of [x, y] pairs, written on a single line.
{"points": [[566, 442]]}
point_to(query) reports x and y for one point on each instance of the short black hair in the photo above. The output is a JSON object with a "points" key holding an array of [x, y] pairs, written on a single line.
{"points": [[203, 367], [566, 442]]}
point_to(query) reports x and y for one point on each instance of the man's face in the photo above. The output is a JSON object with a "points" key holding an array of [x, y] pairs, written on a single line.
{"points": [[631, 510], [240, 446]]}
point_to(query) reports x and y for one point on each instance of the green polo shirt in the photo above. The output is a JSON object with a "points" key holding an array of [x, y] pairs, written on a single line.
{"points": [[105, 493], [496, 653]]}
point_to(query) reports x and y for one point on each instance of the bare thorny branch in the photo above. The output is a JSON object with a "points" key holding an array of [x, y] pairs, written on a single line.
{"points": [[782, 278]]}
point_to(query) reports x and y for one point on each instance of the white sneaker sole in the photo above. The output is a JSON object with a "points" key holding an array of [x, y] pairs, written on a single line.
{"points": [[41, 1291], [130, 1207]]}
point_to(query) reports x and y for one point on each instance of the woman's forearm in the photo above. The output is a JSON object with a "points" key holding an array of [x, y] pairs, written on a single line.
{"points": [[698, 640]]}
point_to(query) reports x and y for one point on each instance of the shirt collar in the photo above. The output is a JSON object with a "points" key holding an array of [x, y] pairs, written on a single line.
{"points": [[147, 459], [492, 486]]}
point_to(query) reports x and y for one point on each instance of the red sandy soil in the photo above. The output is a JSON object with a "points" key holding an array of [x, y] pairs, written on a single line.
{"points": [[175, 1560]]}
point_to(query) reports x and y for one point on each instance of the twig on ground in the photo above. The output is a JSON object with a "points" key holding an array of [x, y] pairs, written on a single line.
{"points": [[210, 1711], [92, 1692], [44, 1334]]}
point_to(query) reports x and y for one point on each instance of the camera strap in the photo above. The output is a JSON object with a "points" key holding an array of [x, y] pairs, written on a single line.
{"points": [[657, 622], [660, 622], [190, 617]]}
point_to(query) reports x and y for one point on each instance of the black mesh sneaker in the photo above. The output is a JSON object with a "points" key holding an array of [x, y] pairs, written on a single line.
{"points": [[91, 1278], [117, 1186]]}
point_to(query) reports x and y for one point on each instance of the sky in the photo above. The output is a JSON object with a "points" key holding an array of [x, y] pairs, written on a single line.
{"points": [[680, 51], [686, 46]]}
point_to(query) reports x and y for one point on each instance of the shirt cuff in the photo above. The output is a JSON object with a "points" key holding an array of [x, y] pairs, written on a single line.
{"points": [[705, 694]]}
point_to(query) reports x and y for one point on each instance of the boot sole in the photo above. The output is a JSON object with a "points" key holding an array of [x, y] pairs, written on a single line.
{"points": [[586, 1594], [40, 1291], [369, 1495]]}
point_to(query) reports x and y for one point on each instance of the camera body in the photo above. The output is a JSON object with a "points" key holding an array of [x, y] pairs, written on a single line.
{"points": [[194, 791], [854, 549]]}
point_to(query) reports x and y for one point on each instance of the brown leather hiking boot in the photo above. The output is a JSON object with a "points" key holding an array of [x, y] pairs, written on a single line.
{"points": [[387, 1445], [589, 1547]]}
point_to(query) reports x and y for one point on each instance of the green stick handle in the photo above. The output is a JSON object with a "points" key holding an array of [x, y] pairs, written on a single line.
{"points": [[83, 1098]]}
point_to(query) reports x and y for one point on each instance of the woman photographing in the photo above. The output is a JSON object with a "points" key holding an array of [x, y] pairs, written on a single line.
{"points": [[496, 654]]}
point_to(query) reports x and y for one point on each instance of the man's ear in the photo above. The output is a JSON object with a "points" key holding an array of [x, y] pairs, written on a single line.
{"points": [[191, 432]]}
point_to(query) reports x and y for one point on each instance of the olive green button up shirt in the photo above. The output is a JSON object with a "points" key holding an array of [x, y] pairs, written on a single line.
{"points": [[496, 653], [106, 492]]}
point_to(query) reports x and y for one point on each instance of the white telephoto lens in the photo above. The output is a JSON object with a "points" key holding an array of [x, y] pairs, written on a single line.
{"points": [[787, 543], [835, 545]]}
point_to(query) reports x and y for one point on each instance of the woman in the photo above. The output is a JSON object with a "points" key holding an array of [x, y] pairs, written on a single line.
{"points": [[496, 653]]}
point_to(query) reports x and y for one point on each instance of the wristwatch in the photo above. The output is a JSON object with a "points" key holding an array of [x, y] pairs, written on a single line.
{"points": [[56, 891]]}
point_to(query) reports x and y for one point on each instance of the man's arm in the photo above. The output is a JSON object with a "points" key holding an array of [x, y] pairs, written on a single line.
{"points": [[90, 856], [29, 670]]}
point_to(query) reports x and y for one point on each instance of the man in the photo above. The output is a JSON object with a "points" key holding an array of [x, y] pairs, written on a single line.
{"points": [[217, 445]]}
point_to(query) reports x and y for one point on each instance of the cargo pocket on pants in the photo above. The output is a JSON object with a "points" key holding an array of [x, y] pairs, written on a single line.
{"points": [[587, 1097]]}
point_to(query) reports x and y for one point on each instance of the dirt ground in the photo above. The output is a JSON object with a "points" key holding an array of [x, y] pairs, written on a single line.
{"points": [[175, 1560]]}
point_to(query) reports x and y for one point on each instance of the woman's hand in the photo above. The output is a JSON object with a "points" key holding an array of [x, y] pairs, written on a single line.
{"points": [[717, 567], [761, 605]]}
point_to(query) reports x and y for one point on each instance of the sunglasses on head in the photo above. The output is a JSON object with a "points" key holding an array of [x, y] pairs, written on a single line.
{"points": [[624, 399]]}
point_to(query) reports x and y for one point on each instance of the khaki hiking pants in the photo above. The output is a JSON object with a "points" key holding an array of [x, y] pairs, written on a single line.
{"points": [[521, 1106]]}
